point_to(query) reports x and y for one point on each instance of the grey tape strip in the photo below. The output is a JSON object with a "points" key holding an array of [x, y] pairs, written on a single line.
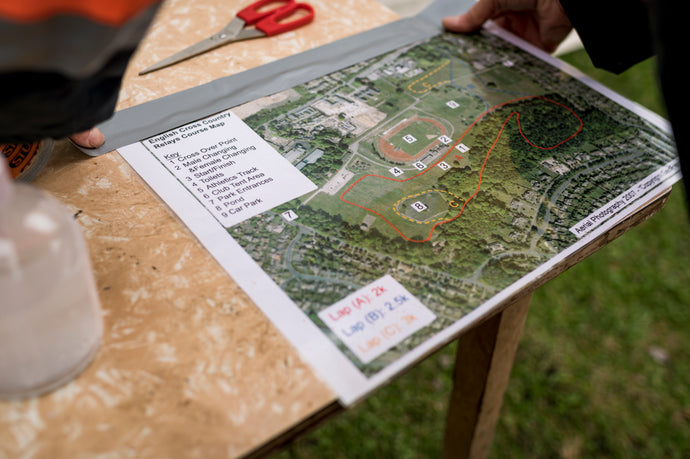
{"points": [[148, 119]]}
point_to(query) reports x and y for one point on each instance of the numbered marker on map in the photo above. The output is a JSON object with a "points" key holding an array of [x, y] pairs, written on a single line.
{"points": [[289, 215], [420, 165], [462, 147], [419, 206], [396, 171]]}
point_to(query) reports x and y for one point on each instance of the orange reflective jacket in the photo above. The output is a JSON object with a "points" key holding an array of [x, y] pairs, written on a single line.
{"points": [[109, 12]]}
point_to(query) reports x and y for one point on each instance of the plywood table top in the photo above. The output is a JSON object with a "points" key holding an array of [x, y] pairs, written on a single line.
{"points": [[189, 366]]}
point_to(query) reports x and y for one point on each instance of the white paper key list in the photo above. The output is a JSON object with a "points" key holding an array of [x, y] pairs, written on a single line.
{"points": [[233, 172]]}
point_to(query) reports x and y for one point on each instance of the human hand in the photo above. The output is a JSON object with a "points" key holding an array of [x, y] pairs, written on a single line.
{"points": [[542, 23], [93, 138]]}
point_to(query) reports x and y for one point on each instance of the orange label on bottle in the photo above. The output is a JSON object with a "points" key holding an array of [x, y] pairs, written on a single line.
{"points": [[19, 156]]}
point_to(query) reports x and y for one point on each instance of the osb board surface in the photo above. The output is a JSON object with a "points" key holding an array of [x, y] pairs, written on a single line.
{"points": [[189, 366]]}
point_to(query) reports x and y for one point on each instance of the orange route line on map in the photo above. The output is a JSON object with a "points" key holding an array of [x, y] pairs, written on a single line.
{"points": [[481, 171], [427, 86]]}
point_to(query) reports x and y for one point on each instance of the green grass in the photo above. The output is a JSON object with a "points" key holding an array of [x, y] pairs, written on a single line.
{"points": [[603, 368]]}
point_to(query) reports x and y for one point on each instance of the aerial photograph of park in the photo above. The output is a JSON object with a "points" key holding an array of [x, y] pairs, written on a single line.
{"points": [[456, 165]]}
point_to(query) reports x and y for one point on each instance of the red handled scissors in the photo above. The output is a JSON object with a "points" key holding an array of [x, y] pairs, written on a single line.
{"points": [[266, 22]]}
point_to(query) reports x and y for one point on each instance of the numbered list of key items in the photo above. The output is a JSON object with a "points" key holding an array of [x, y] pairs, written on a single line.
{"points": [[231, 170]]}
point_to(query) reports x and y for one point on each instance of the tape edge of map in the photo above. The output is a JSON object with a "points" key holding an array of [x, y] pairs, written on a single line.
{"points": [[159, 115]]}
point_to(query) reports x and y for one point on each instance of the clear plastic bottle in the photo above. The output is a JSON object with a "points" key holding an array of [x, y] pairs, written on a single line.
{"points": [[50, 316]]}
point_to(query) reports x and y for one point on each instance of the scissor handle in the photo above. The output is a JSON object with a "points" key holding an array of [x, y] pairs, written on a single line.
{"points": [[251, 14], [271, 24]]}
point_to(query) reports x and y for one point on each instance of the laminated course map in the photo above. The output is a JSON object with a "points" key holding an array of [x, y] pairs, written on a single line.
{"points": [[456, 166], [372, 212]]}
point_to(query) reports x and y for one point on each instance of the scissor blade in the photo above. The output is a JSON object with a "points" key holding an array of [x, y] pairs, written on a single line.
{"points": [[187, 53], [221, 38], [248, 34], [233, 28]]}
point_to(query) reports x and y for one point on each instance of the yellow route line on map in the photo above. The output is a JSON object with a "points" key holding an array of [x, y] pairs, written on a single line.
{"points": [[434, 220], [427, 86]]}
